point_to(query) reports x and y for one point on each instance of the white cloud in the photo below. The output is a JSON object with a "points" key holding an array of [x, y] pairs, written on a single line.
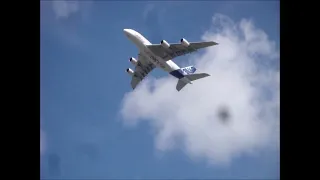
{"points": [[42, 142], [147, 10], [188, 119], [63, 9]]}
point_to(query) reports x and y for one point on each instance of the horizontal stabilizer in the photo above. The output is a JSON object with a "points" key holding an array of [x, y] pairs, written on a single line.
{"points": [[193, 77], [180, 85]]}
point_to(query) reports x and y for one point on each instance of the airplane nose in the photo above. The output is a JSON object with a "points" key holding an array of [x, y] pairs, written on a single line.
{"points": [[126, 31]]}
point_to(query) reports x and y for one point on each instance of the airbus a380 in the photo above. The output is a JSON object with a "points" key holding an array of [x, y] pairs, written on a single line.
{"points": [[160, 55]]}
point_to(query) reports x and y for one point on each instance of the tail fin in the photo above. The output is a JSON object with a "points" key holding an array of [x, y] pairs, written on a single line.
{"points": [[188, 70], [192, 77]]}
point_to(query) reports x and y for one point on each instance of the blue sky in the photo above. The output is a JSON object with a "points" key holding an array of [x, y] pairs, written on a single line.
{"points": [[84, 54]]}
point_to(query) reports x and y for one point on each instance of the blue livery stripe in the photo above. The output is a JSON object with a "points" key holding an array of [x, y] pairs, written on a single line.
{"points": [[180, 73], [188, 70], [177, 73]]}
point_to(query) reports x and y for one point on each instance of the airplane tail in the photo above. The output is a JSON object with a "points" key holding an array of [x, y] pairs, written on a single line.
{"points": [[191, 77], [188, 70], [181, 84]]}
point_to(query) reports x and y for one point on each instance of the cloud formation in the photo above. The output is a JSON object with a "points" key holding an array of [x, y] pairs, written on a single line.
{"points": [[239, 82], [148, 9], [63, 9]]}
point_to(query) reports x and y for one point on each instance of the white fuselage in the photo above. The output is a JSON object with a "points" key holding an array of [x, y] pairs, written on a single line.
{"points": [[141, 43]]}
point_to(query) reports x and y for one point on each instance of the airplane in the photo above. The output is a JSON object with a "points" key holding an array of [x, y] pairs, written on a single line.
{"points": [[160, 55]]}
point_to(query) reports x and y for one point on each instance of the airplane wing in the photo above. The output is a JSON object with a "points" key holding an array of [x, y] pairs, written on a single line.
{"points": [[176, 49], [142, 69]]}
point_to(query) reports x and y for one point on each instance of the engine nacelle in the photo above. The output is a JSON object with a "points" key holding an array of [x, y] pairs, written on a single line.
{"points": [[130, 71], [133, 61], [184, 42], [165, 44]]}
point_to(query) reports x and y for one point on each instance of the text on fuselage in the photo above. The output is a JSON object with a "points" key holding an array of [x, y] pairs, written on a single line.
{"points": [[154, 59]]}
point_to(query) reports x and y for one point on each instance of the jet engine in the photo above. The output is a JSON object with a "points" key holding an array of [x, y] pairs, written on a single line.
{"points": [[130, 71], [184, 42], [165, 44], [133, 61]]}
